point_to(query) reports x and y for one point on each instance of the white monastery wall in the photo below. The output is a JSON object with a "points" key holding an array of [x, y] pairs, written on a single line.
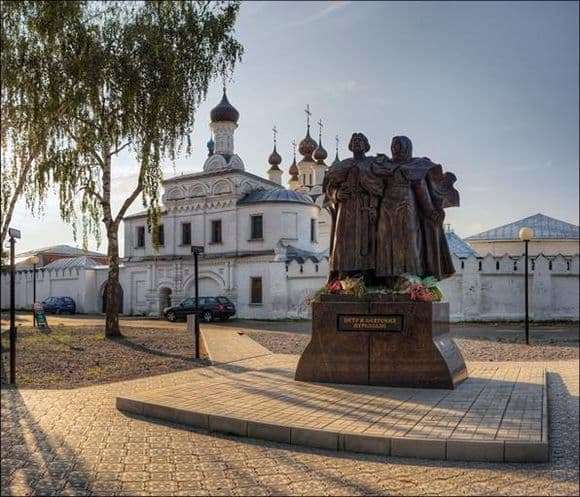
{"points": [[75, 283], [492, 288]]}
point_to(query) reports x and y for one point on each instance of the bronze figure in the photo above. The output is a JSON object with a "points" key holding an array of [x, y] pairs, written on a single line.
{"points": [[387, 214], [353, 192]]}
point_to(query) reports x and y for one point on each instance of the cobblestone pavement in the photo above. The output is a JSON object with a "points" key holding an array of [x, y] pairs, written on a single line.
{"points": [[75, 442]]}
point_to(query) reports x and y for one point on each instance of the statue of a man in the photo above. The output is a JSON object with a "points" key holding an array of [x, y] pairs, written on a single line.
{"points": [[352, 195], [410, 234]]}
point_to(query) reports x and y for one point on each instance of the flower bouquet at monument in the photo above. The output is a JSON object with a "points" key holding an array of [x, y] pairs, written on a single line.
{"points": [[420, 289], [416, 288], [346, 286]]}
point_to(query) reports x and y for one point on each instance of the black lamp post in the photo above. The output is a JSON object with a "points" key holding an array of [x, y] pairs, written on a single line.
{"points": [[35, 261], [525, 235], [196, 250]]}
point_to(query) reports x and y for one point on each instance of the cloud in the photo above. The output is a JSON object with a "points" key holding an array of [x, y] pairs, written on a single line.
{"points": [[328, 10]]}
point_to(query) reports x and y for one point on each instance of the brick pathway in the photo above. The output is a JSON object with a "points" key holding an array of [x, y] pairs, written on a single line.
{"points": [[77, 443]]}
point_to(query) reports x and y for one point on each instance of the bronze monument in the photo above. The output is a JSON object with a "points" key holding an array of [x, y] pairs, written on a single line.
{"points": [[387, 223]]}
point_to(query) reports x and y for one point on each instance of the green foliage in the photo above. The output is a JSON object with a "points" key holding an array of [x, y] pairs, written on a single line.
{"points": [[30, 99]]}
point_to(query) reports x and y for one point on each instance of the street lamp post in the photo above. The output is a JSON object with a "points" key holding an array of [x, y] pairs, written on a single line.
{"points": [[35, 260], [196, 250], [525, 235]]}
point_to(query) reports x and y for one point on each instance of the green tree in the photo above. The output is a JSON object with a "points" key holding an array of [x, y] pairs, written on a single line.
{"points": [[30, 101], [133, 75]]}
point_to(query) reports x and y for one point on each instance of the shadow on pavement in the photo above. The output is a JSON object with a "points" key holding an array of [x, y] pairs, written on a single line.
{"points": [[34, 462]]}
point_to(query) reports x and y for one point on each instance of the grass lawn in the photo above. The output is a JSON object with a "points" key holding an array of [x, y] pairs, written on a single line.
{"points": [[68, 357]]}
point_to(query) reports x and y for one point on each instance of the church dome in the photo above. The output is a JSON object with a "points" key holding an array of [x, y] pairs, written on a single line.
{"points": [[307, 145], [293, 169], [274, 160], [224, 111], [320, 153]]}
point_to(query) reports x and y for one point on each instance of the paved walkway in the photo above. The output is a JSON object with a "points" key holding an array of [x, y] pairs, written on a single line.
{"points": [[224, 345], [76, 442], [499, 413]]}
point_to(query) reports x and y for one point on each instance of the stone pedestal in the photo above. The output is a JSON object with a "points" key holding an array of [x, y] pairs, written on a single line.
{"points": [[381, 340]]}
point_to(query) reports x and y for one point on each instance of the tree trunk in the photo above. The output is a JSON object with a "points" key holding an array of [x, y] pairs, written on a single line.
{"points": [[112, 309]]}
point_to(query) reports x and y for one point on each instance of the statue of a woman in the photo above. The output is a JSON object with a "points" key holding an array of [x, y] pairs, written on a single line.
{"points": [[410, 234]]}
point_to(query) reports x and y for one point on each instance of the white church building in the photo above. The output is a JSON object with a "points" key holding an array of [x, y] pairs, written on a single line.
{"points": [[265, 246]]}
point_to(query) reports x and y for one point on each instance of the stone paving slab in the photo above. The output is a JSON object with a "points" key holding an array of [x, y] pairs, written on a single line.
{"points": [[225, 345], [498, 414]]}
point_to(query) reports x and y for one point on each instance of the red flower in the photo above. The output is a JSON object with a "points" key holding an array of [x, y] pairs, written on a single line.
{"points": [[418, 292], [334, 286]]}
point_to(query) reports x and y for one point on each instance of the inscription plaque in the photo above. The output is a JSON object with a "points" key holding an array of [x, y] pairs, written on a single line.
{"points": [[365, 322]]}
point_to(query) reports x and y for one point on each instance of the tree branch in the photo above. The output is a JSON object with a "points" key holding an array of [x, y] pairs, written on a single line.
{"points": [[94, 193], [118, 149], [130, 199]]}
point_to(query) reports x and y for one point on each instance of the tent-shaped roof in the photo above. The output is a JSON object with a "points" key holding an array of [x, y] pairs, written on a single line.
{"points": [[61, 250], [458, 246], [299, 255], [72, 262], [276, 195], [544, 227]]}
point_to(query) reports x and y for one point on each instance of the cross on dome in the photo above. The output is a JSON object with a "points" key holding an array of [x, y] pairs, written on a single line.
{"points": [[293, 170], [320, 153], [307, 145], [274, 160]]}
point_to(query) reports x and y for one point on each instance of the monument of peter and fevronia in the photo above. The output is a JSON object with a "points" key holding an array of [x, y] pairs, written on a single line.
{"points": [[387, 227]]}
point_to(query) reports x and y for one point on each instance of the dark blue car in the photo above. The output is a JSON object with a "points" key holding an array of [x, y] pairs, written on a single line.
{"points": [[59, 305]]}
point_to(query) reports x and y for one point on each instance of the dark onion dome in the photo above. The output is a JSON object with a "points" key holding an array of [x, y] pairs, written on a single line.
{"points": [[307, 145], [320, 153], [210, 147], [293, 169], [224, 111], [276, 195], [274, 160]]}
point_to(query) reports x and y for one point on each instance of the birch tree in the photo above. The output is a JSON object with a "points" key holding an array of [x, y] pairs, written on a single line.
{"points": [[133, 75]]}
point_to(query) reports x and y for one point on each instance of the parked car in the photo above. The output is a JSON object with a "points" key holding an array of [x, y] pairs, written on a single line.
{"points": [[210, 308], [59, 305]]}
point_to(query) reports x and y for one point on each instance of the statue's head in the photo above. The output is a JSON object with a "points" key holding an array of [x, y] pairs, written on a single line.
{"points": [[359, 145], [401, 148]]}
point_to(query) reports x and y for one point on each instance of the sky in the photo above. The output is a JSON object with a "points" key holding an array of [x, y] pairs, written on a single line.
{"points": [[487, 89]]}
